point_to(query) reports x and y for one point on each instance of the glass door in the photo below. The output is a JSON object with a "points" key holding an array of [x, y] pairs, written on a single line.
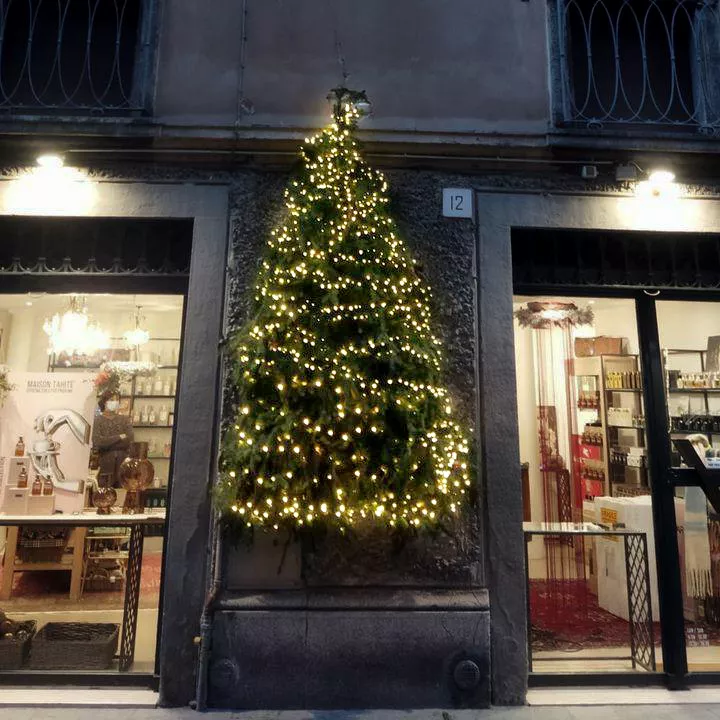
{"points": [[689, 339], [593, 599]]}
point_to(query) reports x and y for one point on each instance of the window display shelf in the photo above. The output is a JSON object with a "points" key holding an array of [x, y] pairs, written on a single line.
{"points": [[149, 397], [613, 376], [157, 427], [694, 391], [694, 432]]}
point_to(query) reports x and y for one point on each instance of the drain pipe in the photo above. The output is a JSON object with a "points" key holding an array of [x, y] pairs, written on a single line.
{"points": [[216, 574], [207, 617]]}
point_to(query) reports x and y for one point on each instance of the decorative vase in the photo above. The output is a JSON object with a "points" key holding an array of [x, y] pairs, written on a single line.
{"points": [[136, 475], [103, 498]]}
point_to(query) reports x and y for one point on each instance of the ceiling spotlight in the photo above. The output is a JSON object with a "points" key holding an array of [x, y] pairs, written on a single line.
{"points": [[660, 177], [659, 183], [50, 161]]}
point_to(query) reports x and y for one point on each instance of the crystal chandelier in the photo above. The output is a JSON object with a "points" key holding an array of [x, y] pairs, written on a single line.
{"points": [[137, 336], [73, 332]]}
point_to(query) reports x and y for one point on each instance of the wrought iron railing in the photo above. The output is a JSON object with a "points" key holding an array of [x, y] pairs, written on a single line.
{"points": [[577, 259], [638, 62], [78, 56], [112, 247]]}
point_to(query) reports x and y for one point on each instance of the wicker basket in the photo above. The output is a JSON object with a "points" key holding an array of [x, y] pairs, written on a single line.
{"points": [[104, 579], [14, 652], [74, 646], [44, 546]]}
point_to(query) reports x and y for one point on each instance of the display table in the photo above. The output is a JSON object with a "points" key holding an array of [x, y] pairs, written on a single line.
{"points": [[641, 631], [80, 522]]}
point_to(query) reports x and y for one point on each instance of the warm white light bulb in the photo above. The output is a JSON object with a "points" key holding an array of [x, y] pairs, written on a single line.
{"points": [[661, 176], [50, 161]]}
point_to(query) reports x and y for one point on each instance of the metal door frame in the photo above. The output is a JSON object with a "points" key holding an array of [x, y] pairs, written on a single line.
{"points": [[663, 481]]}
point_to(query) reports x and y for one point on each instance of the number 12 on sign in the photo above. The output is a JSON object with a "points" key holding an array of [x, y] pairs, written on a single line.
{"points": [[457, 202]]}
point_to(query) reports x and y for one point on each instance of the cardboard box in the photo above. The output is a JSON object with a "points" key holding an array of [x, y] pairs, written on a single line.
{"points": [[601, 345], [41, 504], [15, 500], [635, 475], [620, 416], [10, 470], [636, 514], [636, 461]]}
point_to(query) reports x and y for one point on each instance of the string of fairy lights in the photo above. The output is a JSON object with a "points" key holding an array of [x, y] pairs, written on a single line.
{"points": [[342, 415]]}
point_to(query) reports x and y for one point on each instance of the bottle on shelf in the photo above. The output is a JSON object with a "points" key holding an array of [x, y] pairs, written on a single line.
{"points": [[144, 415], [166, 449], [20, 447], [152, 416], [22, 477], [158, 386], [136, 415], [163, 415], [37, 486], [167, 387], [48, 487]]}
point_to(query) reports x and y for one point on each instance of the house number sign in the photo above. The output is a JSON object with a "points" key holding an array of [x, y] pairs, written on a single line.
{"points": [[457, 202]]}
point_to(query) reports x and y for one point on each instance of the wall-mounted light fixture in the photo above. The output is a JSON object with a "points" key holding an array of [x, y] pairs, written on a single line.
{"points": [[50, 188], [660, 183], [50, 161]]}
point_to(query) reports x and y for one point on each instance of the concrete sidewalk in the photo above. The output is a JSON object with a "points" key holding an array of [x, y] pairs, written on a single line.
{"points": [[544, 704], [594, 712], [603, 712]]}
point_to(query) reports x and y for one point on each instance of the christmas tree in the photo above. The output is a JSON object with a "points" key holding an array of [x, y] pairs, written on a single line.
{"points": [[341, 414]]}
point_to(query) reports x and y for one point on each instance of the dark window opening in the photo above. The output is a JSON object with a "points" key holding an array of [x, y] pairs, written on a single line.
{"points": [[71, 54], [639, 62]]}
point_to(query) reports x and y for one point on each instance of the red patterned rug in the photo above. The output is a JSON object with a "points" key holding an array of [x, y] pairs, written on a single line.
{"points": [[565, 616], [52, 588]]}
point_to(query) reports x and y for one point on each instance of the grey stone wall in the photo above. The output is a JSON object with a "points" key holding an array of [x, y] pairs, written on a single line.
{"points": [[264, 67], [445, 250], [360, 621]]}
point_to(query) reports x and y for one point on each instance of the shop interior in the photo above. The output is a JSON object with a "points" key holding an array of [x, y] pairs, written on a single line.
{"points": [[583, 451], [87, 409]]}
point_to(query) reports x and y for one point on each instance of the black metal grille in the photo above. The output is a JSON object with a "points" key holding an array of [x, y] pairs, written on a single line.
{"points": [[77, 55], [639, 601], [639, 61], [132, 598], [94, 247], [579, 258]]}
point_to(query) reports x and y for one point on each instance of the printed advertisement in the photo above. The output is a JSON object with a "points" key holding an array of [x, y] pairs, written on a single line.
{"points": [[53, 414]]}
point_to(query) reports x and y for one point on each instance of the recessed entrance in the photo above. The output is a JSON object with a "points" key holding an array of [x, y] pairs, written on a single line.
{"points": [[617, 388], [90, 353]]}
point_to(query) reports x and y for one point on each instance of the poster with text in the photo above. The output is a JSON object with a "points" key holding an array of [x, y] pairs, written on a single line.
{"points": [[51, 407]]}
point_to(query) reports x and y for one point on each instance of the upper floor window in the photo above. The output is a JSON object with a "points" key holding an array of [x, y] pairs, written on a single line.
{"points": [[638, 62], [74, 55]]}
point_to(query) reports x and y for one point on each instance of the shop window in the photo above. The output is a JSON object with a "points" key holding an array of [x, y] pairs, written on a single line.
{"points": [[74, 55], [592, 584], [88, 397], [644, 62]]}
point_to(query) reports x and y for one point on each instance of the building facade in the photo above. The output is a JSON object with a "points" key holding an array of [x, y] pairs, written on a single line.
{"points": [[176, 112]]}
